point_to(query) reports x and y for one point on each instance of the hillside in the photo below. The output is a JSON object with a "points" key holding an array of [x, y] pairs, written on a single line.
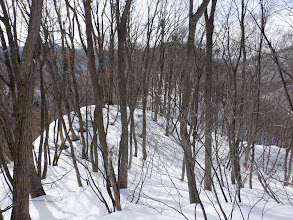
{"points": [[155, 189]]}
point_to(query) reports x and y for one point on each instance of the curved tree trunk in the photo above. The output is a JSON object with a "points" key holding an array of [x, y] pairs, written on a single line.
{"points": [[184, 113]]}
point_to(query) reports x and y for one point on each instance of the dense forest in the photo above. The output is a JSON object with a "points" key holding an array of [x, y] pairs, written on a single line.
{"points": [[114, 88]]}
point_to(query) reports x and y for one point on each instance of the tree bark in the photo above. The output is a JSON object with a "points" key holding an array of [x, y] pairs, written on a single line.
{"points": [[184, 113], [110, 174], [208, 97], [72, 154], [162, 64], [1, 216], [123, 148], [23, 113], [36, 188]]}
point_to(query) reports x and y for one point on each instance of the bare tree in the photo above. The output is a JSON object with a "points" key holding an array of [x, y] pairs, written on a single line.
{"points": [[184, 113], [110, 174], [24, 74], [209, 19], [121, 20]]}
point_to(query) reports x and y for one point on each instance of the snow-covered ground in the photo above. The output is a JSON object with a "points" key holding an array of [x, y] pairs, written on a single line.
{"points": [[155, 189]]}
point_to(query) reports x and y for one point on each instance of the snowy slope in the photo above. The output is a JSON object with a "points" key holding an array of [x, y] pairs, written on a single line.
{"points": [[155, 189]]}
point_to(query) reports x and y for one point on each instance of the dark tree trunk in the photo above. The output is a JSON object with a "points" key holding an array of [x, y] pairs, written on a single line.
{"points": [[72, 154], [46, 145], [162, 64], [168, 116], [184, 113], [110, 175], [1, 216], [131, 138], [36, 188], [94, 145], [76, 101], [208, 97], [23, 113], [42, 122], [133, 135], [123, 148]]}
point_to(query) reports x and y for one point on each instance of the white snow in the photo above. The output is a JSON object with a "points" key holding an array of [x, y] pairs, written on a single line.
{"points": [[155, 189]]}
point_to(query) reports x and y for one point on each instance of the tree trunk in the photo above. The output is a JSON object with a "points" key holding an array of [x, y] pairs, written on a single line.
{"points": [[144, 134], [42, 122], [162, 64], [46, 144], [290, 167], [134, 136], [110, 174], [23, 113], [208, 97], [131, 137], [94, 146], [123, 148], [184, 113], [72, 154], [183, 168], [36, 188], [168, 116], [76, 102], [144, 106], [1, 216]]}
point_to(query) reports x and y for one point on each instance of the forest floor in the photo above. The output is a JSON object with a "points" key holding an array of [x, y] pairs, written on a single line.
{"points": [[155, 190]]}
